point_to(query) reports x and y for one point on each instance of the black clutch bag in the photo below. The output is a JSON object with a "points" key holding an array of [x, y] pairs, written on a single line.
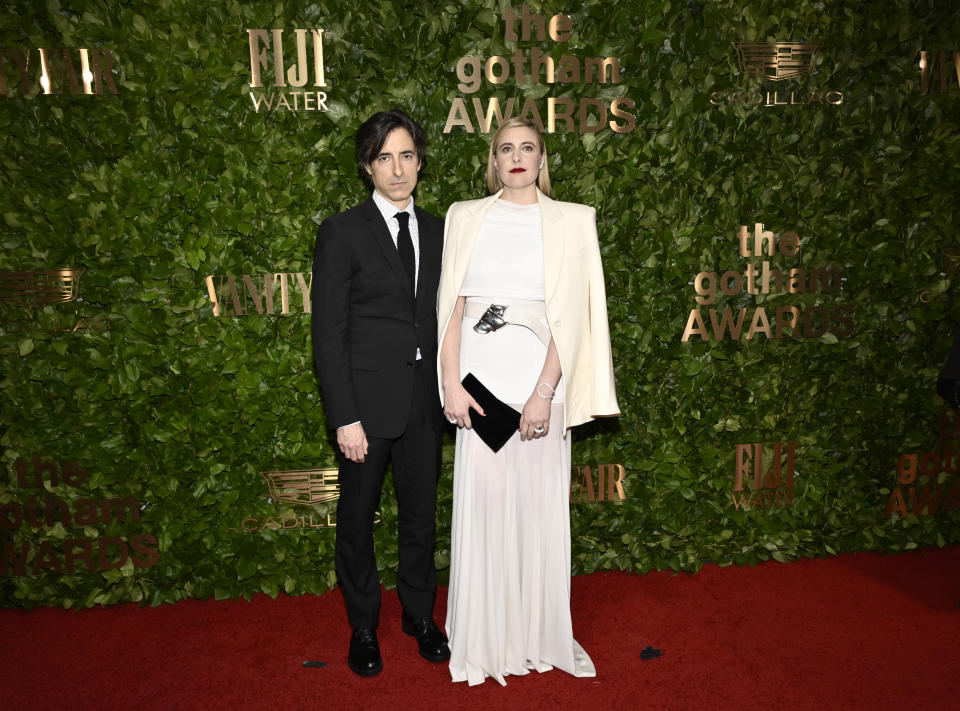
{"points": [[501, 421]]}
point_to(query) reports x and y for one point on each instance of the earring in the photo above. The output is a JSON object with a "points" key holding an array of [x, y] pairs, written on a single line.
{"points": [[541, 165]]}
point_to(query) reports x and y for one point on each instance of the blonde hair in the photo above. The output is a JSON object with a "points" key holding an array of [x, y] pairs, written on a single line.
{"points": [[543, 177]]}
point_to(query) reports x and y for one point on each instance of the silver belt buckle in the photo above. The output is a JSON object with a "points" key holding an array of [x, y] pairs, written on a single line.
{"points": [[491, 320]]}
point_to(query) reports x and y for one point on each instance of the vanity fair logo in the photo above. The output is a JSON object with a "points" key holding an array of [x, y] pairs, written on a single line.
{"points": [[35, 71], [286, 71], [608, 479], [776, 62], [534, 66], [271, 294], [939, 72], [316, 490], [37, 289]]}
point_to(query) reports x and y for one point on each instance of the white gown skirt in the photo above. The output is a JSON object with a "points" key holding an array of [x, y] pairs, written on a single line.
{"points": [[509, 602]]}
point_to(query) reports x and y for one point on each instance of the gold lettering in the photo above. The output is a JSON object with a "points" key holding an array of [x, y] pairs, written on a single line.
{"points": [[600, 65], [530, 110], [531, 20], [504, 66], [759, 235], [941, 62], [304, 291], [568, 71], [586, 485], [742, 459], [45, 82], [760, 324], [85, 72], [553, 115], [695, 327], [538, 61], [630, 119], [783, 322], [103, 63], [485, 119], [278, 58], [295, 77], [250, 290], [469, 81], [258, 56], [585, 125], [560, 28], [458, 116], [614, 474]]}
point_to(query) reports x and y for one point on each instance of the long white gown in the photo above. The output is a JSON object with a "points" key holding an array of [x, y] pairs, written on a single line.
{"points": [[509, 601]]}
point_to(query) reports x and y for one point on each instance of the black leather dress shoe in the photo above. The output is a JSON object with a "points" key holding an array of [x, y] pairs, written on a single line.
{"points": [[431, 641], [364, 658]]}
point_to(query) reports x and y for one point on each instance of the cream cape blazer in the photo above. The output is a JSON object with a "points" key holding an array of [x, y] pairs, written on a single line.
{"points": [[576, 301]]}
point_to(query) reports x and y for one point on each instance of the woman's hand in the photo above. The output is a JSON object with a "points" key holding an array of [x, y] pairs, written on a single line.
{"points": [[535, 418], [456, 405]]}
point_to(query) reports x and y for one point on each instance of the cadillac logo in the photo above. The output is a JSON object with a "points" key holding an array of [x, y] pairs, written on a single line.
{"points": [[308, 486], [54, 286], [314, 491], [775, 60]]}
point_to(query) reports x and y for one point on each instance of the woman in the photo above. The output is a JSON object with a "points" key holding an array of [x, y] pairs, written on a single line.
{"points": [[509, 603]]}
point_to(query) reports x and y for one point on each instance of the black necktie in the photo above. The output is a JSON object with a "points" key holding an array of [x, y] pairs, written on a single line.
{"points": [[405, 248]]}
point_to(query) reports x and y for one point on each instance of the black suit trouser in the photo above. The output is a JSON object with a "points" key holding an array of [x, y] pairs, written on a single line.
{"points": [[416, 467]]}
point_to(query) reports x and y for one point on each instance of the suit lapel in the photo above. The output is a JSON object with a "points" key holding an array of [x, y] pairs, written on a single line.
{"points": [[381, 235], [552, 227]]}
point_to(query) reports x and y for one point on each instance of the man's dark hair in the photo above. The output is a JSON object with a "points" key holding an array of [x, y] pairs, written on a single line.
{"points": [[373, 134]]}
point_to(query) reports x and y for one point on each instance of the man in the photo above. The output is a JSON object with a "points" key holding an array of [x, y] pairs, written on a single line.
{"points": [[376, 269]]}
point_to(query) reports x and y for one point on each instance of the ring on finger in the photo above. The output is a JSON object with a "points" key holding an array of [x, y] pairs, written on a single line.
{"points": [[539, 429]]}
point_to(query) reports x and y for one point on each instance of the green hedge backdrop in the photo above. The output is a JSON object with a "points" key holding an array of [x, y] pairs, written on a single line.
{"points": [[176, 178]]}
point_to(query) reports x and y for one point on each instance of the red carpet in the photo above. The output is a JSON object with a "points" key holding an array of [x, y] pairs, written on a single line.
{"points": [[863, 631]]}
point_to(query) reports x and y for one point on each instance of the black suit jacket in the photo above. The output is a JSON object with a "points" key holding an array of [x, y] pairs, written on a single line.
{"points": [[366, 325]]}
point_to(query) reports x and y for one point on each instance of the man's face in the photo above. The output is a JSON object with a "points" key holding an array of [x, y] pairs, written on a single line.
{"points": [[394, 169]]}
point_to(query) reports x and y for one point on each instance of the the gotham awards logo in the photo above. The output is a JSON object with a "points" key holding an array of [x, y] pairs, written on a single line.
{"points": [[304, 499], [286, 71], [761, 280], [939, 72], [764, 475], [927, 483], [532, 66], [32, 72], [76, 544], [274, 293], [607, 485], [36, 290], [776, 62]]}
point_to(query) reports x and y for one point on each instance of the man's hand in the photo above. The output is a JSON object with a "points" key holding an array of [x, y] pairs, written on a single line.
{"points": [[352, 441]]}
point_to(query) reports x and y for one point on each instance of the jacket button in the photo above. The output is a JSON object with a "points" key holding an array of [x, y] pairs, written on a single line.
{"points": [[409, 364]]}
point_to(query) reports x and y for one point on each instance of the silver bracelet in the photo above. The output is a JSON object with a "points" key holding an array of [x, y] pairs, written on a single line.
{"points": [[547, 386]]}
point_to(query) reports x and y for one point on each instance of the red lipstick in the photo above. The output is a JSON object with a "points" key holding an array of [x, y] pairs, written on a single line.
{"points": [[518, 170]]}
